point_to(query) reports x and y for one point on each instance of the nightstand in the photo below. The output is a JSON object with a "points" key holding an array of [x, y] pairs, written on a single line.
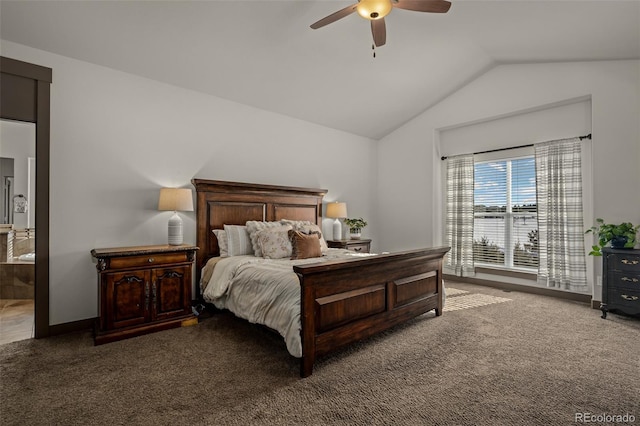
{"points": [[361, 246], [143, 289], [620, 281]]}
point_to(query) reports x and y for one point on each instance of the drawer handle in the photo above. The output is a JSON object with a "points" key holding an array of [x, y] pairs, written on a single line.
{"points": [[151, 260], [357, 249], [626, 297], [630, 262], [632, 280]]}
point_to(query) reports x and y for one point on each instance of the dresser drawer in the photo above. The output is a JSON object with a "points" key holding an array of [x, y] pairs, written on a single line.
{"points": [[147, 260], [625, 298], [628, 280], [360, 248], [624, 262]]}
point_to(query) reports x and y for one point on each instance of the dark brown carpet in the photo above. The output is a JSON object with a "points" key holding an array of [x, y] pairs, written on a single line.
{"points": [[532, 360]]}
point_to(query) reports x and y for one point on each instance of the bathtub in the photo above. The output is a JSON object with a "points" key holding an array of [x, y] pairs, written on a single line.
{"points": [[27, 257]]}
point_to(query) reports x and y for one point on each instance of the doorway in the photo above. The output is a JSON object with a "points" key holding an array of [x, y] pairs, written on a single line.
{"points": [[25, 90], [17, 230]]}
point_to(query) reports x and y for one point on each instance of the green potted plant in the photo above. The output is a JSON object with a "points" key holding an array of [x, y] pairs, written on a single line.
{"points": [[618, 236], [355, 227]]}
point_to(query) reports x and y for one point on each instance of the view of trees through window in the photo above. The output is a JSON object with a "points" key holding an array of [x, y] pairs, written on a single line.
{"points": [[505, 213]]}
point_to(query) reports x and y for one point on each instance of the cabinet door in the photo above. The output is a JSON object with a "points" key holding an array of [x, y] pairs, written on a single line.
{"points": [[127, 300], [171, 292]]}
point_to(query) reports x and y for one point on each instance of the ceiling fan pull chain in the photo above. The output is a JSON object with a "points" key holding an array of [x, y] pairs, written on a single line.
{"points": [[373, 47]]}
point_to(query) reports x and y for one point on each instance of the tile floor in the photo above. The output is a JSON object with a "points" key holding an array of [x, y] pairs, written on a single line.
{"points": [[16, 320]]}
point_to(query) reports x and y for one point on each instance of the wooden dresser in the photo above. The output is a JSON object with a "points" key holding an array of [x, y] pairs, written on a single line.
{"points": [[143, 289], [361, 246], [620, 281]]}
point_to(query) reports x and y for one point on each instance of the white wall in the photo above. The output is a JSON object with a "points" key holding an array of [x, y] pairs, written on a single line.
{"points": [[117, 138], [409, 159]]}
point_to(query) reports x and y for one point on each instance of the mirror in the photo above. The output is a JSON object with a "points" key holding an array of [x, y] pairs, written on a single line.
{"points": [[6, 179], [17, 173]]}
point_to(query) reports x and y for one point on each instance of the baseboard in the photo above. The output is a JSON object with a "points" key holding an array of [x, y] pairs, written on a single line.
{"points": [[595, 304], [584, 298], [71, 327]]}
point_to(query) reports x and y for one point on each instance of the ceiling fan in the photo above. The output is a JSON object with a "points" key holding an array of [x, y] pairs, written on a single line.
{"points": [[376, 10]]}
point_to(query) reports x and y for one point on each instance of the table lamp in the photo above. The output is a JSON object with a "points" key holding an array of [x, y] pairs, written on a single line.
{"points": [[338, 211], [175, 199]]}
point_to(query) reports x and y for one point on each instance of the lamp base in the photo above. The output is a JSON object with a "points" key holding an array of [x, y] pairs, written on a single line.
{"points": [[337, 230], [175, 230]]}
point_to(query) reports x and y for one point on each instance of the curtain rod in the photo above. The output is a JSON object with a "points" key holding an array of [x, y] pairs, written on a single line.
{"points": [[515, 147]]}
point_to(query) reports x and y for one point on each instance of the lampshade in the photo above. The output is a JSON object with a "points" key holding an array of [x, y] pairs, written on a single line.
{"points": [[336, 210], [374, 9], [176, 199]]}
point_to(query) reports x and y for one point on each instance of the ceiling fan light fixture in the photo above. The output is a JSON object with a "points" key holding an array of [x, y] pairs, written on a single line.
{"points": [[374, 9]]}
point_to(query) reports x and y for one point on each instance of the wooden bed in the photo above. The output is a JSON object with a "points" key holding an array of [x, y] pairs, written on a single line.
{"points": [[342, 301]]}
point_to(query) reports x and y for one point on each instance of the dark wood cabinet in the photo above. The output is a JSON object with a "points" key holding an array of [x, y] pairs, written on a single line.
{"points": [[620, 281], [142, 290], [361, 246]]}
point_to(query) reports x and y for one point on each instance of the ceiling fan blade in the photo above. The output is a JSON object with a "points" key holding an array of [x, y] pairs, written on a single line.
{"points": [[379, 31], [433, 6], [334, 16]]}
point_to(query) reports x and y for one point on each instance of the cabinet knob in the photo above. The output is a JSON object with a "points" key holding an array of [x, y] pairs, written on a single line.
{"points": [[151, 260]]}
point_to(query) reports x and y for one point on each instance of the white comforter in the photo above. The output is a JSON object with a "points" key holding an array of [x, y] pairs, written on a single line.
{"points": [[264, 291]]}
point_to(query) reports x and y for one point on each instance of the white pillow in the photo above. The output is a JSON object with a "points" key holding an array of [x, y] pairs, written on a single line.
{"points": [[274, 242], [221, 235], [253, 226], [295, 223], [238, 242]]}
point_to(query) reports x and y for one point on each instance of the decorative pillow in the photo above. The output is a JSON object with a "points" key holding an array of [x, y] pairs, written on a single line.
{"points": [[238, 242], [274, 242], [295, 223], [253, 226], [306, 227], [221, 235], [304, 246], [310, 229]]}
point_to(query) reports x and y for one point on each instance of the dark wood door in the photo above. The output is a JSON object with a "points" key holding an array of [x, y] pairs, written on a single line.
{"points": [[127, 299], [170, 291]]}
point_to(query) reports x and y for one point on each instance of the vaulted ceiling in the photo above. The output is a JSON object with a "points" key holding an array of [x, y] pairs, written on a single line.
{"points": [[263, 53]]}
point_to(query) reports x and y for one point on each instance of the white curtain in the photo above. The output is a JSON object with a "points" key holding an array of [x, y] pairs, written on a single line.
{"points": [[562, 262], [459, 214]]}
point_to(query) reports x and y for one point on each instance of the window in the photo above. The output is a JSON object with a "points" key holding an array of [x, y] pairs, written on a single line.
{"points": [[505, 213]]}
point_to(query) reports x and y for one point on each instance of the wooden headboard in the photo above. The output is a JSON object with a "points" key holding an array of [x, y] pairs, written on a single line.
{"points": [[234, 203]]}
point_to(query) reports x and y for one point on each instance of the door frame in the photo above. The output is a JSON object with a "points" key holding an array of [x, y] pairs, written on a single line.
{"points": [[25, 90]]}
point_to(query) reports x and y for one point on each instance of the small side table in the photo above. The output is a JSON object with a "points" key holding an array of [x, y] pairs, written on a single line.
{"points": [[143, 289], [360, 246]]}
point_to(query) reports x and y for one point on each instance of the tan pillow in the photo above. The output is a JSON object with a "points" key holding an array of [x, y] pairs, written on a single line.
{"points": [[304, 246], [307, 227], [310, 229]]}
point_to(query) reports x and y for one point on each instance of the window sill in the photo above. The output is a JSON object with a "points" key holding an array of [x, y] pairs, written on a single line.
{"points": [[511, 272]]}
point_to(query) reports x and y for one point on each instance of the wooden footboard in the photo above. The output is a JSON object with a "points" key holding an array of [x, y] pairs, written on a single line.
{"points": [[348, 300]]}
